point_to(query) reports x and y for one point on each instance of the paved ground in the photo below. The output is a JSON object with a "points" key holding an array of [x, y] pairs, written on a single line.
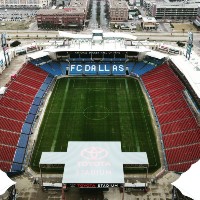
{"points": [[28, 190], [15, 65]]}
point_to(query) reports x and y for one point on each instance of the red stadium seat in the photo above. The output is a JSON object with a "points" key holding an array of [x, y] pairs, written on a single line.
{"points": [[180, 130]]}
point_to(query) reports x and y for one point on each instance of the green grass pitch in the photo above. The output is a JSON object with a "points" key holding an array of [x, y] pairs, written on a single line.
{"points": [[97, 109]]}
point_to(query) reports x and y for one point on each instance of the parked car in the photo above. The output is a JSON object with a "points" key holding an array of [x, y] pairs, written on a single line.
{"points": [[180, 44], [125, 27]]}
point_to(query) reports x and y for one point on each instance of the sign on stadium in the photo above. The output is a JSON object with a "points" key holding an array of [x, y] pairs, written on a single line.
{"points": [[103, 67], [88, 185]]}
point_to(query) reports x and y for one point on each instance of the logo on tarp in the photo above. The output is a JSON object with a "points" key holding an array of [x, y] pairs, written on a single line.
{"points": [[94, 153]]}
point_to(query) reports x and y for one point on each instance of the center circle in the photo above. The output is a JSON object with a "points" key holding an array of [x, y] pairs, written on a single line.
{"points": [[96, 112]]}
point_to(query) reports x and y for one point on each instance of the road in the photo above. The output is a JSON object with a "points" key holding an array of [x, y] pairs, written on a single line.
{"points": [[93, 22], [151, 36], [103, 21]]}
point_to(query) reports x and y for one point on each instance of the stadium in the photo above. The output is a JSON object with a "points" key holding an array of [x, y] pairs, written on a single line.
{"points": [[105, 93]]}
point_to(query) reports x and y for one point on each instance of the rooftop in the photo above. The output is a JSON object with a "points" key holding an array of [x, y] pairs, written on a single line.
{"points": [[64, 11], [118, 4], [149, 19]]}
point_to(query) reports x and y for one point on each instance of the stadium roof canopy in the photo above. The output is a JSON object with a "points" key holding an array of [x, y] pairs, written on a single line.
{"points": [[93, 162], [190, 69], [74, 36], [156, 54], [38, 54], [188, 183], [118, 35], [106, 35], [106, 47]]}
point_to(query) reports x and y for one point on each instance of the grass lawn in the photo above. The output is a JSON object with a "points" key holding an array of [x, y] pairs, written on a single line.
{"points": [[187, 27], [14, 25], [97, 109]]}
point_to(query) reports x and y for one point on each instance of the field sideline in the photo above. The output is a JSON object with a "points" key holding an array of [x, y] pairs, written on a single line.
{"points": [[97, 109]]}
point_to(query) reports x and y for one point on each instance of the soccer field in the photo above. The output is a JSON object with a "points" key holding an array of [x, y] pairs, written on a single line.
{"points": [[97, 109]]}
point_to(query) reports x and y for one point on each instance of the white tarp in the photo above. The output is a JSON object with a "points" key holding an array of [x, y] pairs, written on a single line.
{"points": [[5, 182], [94, 162], [188, 183]]}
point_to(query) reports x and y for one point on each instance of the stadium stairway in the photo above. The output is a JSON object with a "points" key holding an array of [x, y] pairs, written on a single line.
{"points": [[179, 127], [18, 109]]}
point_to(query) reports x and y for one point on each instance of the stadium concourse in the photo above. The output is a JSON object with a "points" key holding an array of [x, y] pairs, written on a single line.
{"points": [[173, 92]]}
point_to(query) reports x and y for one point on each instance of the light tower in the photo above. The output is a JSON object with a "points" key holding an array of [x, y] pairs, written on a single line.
{"points": [[5, 48], [189, 45]]}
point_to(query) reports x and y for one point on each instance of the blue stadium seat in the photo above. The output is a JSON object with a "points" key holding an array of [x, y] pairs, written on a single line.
{"points": [[88, 71], [48, 79], [104, 68], [76, 69], [23, 140], [40, 93], [130, 66], [44, 86], [26, 129], [37, 101], [107, 59], [47, 68], [145, 69], [119, 59], [30, 119], [140, 68], [45, 59], [64, 65], [118, 69], [33, 110], [16, 167], [57, 67], [40, 60], [19, 155], [53, 68]]}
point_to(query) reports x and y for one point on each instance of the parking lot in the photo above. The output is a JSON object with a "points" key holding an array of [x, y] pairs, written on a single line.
{"points": [[16, 14]]}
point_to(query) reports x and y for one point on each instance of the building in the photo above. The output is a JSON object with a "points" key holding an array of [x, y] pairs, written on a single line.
{"points": [[118, 11], [72, 16], [149, 23], [197, 20], [60, 18], [173, 10], [24, 3]]}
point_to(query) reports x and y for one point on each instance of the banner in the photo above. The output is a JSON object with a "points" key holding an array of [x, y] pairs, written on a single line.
{"points": [[96, 67]]}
